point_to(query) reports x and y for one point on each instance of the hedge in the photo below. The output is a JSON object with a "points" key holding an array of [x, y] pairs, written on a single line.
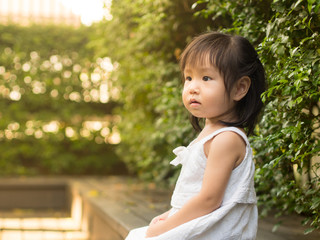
{"points": [[49, 95]]}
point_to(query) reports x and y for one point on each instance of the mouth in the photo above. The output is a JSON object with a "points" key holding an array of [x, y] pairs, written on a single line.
{"points": [[194, 102]]}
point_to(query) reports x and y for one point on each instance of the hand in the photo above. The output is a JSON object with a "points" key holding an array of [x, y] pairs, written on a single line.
{"points": [[161, 217], [154, 229], [156, 220]]}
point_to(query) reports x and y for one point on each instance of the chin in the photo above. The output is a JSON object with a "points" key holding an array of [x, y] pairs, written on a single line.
{"points": [[198, 115]]}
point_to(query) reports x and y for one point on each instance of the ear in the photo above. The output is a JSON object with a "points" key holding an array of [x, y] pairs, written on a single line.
{"points": [[241, 88]]}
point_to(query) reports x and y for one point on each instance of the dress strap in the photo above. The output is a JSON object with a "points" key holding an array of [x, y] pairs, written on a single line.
{"points": [[226, 129]]}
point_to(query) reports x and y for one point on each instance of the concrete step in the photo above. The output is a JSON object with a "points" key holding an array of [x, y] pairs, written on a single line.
{"points": [[45, 224], [42, 235]]}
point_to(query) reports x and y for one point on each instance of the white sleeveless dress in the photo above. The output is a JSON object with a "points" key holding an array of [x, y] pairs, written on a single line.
{"points": [[235, 219]]}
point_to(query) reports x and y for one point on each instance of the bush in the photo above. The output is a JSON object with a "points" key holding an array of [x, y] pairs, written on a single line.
{"points": [[52, 117], [290, 126]]}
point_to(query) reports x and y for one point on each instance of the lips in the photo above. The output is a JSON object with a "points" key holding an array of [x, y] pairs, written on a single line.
{"points": [[194, 102]]}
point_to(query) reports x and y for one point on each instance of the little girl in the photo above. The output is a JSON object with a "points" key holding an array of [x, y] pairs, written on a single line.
{"points": [[214, 197]]}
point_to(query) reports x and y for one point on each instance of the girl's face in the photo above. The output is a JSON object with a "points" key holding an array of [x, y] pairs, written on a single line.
{"points": [[204, 93]]}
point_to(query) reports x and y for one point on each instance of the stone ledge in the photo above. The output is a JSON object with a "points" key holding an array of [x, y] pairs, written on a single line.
{"points": [[118, 205], [124, 204], [107, 208]]}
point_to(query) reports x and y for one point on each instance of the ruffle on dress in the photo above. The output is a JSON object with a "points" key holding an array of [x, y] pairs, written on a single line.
{"points": [[181, 153]]}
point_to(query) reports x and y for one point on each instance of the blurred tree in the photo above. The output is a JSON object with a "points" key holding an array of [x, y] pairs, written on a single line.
{"points": [[55, 106]]}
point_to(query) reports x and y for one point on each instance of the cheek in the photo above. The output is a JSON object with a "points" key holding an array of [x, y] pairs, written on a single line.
{"points": [[184, 96], [184, 91]]}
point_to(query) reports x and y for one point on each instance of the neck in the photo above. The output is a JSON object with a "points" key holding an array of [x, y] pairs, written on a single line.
{"points": [[227, 116], [212, 125]]}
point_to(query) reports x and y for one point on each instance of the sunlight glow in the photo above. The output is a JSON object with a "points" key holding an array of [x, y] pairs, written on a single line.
{"points": [[89, 10], [68, 228], [52, 127]]}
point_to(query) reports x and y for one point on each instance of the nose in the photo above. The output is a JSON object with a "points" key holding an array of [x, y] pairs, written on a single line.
{"points": [[194, 88]]}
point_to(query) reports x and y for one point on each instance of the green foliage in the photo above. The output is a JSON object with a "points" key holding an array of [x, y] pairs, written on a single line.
{"points": [[52, 119], [53, 155], [291, 52], [146, 38]]}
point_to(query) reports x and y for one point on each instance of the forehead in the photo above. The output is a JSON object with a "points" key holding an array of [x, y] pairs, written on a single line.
{"points": [[199, 61], [204, 68]]}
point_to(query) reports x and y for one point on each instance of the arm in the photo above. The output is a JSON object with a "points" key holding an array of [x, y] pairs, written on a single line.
{"points": [[224, 151]]}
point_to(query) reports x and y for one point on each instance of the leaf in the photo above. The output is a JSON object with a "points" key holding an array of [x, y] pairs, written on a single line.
{"points": [[93, 193], [299, 100], [299, 209], [291, 103], [194, 5], [315, 203], [295, 5], [275, 227], [294, 51], [309, 230], [310, 4]]}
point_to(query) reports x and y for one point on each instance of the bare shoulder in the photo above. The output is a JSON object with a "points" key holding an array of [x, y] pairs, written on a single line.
{"points": [[228, 139], [227, 142]]}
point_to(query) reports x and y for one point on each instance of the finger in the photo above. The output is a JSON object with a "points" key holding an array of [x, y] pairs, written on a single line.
{"points": [[154, 221]]}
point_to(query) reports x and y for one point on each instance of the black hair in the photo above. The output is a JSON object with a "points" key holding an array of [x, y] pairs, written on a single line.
{"points": [[234, 57]]}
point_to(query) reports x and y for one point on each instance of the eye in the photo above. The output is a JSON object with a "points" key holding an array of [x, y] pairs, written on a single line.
{"points": [[188, 78], [206, 78]]}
